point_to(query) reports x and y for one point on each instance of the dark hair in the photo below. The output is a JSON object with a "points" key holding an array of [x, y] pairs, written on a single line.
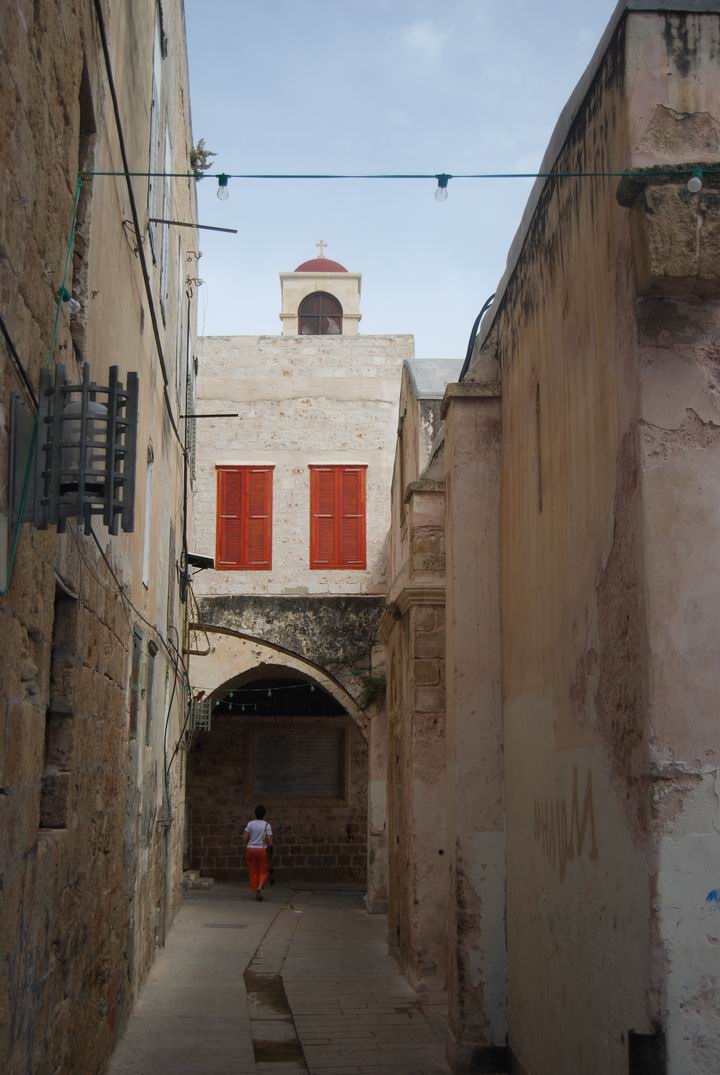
{"points": [[259, 812]]}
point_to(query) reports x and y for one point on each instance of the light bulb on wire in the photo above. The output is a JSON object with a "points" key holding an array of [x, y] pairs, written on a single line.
{"points": [[694, 183], [223, 190], [441, 191]]}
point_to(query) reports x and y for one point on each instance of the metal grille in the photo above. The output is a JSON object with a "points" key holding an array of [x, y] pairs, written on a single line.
{"points": [[298, 765], [201, 715], [85, 462]]}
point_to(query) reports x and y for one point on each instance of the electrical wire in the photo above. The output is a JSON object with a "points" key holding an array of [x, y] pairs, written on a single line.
{"points": [[624, 173], [19, 365], [136, 610], [473, 336]]}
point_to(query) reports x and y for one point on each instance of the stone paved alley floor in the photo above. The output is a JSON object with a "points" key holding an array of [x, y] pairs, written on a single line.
{"points": [[301, 983]]}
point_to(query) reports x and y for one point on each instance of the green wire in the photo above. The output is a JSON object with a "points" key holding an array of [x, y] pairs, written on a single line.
{"points": [[62, 295], [625, 173]]}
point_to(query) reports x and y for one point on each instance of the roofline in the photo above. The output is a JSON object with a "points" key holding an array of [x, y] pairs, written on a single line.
{"points": [[324, 275], [436, 394], [562, 129]]}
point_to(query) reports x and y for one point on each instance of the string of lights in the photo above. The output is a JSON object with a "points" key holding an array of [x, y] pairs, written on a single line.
{"points": [[694, 176], [267, 691]]}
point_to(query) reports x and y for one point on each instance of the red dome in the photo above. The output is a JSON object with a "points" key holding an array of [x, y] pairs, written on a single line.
{"points": [[321, 265]]}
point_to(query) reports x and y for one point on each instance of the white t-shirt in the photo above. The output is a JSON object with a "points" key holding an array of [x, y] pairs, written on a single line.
{"points": [[258, 830]]}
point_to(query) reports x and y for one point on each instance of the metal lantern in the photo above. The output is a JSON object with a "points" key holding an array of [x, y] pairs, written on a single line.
{"points": [[85, 463]]}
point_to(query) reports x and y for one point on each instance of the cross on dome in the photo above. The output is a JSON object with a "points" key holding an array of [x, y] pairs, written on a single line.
{"points": [[321, 245]]}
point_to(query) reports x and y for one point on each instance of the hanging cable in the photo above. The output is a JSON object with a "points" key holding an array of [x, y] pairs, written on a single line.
{"points": [[473, 336]]}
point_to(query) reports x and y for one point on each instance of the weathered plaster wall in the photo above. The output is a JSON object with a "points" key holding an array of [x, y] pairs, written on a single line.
{"points": [[377, 867], [417, 861], [301, 400], [608, 473], [413, 630], [322, 842], [81, 853], [477, 963]]}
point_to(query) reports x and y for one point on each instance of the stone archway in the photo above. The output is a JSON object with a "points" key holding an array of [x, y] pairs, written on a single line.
{"points": [[286, 735], [233, 653]]}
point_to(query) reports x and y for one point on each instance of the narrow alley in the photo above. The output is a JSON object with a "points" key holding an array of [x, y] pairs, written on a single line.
{"points": [[300, 983], [378, 568]]}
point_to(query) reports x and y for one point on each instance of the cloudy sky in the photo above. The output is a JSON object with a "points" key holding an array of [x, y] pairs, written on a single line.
{"points": [[376, 86]]}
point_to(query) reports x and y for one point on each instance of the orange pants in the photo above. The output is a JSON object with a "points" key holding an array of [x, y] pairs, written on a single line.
{"points": [[257, 864]]}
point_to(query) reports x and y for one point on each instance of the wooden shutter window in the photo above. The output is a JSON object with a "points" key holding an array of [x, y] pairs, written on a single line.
{"points": [[244, 519], [337, 517]]}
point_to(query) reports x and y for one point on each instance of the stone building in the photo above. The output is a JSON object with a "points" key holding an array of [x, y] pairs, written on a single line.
{"points": [[409, 735], [92, 687], [578, 461], [292, 502]]}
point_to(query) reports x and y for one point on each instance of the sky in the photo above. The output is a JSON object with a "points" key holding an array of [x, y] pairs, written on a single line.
{"points": [[375, 86]]}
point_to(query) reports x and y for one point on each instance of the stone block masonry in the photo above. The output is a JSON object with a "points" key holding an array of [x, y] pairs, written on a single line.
{"points": [[90, 861], [322, 841]]}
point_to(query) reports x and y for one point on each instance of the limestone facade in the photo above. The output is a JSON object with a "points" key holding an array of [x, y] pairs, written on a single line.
{"points": [[90, 827]]}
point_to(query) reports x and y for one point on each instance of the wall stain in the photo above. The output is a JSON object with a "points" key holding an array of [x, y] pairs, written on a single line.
{"points": [[562, 829]]}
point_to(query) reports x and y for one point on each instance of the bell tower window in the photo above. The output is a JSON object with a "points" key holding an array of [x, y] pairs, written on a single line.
{"points": [[320, 314]]}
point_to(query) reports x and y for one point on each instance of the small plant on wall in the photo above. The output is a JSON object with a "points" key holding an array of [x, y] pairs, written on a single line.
{"points": [[374, 692], [201, 158]]}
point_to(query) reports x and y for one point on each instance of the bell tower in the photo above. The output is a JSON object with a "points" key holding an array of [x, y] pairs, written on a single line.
{"points": [[320, 298]]}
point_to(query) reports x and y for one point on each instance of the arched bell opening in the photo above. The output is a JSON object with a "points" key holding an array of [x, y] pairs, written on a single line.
{"points": [[279, 738]]}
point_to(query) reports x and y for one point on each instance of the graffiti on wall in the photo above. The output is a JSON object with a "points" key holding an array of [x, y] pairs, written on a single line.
{"points": [[564, 828]]}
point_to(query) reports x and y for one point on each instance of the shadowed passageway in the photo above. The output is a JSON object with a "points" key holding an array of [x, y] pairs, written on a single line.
{"points": [[300, 983]]}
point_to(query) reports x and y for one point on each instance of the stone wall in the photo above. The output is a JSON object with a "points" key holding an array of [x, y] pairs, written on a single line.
{"points": [[322, 842], [334, 633], [89, 859]]}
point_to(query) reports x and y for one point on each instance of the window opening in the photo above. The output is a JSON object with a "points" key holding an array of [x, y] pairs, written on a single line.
{"points": [[148, 515], [80, 266], [149, 704], [300, 764], [320, 314], [165, 233], [135, 682], [337, 517], [60, 715], [244, 519], [154, 181]]}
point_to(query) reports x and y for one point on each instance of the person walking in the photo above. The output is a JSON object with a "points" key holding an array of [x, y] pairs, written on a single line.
{"points": [[257, 838]]}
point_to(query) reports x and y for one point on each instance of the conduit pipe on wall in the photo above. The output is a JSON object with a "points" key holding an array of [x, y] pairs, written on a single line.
{"points": [[473, 336]]}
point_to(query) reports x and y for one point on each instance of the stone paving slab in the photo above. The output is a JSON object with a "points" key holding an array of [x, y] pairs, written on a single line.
{"points": [[314, 964]]}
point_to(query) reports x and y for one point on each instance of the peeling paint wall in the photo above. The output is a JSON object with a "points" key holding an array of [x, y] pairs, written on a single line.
{"points": [[606, 334]]}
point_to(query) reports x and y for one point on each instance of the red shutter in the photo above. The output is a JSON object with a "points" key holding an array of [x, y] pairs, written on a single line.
{"points": [[337, 517], [229, 512], [323, 517], [244, 518], [351, 551], [258, 531]]}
